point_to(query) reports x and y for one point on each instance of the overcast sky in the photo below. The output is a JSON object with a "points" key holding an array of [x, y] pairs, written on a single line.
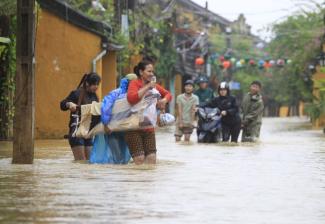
{"points": [[259, 13]]}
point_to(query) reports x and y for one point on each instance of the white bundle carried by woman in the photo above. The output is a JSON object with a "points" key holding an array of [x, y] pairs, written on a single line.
{"points": [[124, 116], [166, 119]]}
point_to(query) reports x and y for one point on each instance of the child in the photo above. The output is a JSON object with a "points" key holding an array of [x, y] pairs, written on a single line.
{"points": [[186, 107]]}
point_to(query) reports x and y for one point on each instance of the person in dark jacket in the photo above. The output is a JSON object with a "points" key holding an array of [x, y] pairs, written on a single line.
{"points": [[227, 104], [252, 112], [84, 94], [204, 93]]}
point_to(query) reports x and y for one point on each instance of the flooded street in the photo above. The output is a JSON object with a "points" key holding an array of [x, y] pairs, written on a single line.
{"points": [[279, 180]]}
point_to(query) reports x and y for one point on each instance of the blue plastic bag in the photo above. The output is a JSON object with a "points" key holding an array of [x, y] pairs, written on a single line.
{"points": [[109, 100], [111, 149]]}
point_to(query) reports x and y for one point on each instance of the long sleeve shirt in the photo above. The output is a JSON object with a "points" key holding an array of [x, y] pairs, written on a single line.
{"points": [[133, 96], [228, 104], [252, 109], [74, 97], [136, 85]]}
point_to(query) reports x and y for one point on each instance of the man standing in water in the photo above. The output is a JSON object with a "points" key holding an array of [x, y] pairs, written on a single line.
{"points": [[186, 106], [252, 112], [204, 93]]}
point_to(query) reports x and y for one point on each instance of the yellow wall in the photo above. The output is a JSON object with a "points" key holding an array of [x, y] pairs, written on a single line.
{"points": [[178, 85], [64, 53], [301, 109], [284, 111], [109, 67], [133, 61]]}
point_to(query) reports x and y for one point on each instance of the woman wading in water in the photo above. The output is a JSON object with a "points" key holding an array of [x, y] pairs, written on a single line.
{"points": [[84, 94]]}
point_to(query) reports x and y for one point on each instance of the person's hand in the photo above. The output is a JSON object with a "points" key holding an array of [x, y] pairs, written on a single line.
{"points": [[72, 107], [107, 130], [151, 85], [195, 109], [223, 113], [242, 125], [180, 125], [161, 104]]}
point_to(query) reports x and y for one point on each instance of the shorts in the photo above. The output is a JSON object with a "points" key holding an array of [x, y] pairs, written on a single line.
{"points": [[179, 132], [74, 141], [141, 143]]}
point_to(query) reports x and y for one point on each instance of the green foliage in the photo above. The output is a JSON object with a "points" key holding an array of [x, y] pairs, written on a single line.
{"points": [[299, 38], [7, 7], [218, 42], [7, 81], [147, 35], [244, 47], [161, 47], [246, 77], [317, 107], [85, 7]]}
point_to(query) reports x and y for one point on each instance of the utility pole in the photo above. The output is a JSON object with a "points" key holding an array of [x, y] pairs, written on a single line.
{"points": [[23, 145]]}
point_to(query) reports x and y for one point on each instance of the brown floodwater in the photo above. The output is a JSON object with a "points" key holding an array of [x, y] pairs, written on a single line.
{"points": [[280, 180]]}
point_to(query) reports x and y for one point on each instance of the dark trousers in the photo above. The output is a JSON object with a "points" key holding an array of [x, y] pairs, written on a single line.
{"points": [[231, 131]]}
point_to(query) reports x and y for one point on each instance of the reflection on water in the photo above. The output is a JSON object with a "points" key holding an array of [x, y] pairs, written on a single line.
{"points": [[281, 179]]}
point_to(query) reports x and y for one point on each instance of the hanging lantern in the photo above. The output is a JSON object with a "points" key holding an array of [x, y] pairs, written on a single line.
{"points": [[267, 65], [280, 62], [199, 61], [239, 64], [233, 60], [242, 61], [214, 56], [272, 62], [227, 57], [252, 62], [221, 58], [261, 63], [289, 61], [226, 64]]}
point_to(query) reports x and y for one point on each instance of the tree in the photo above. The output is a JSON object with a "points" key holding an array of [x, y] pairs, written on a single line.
{"points": [[298, 38]]}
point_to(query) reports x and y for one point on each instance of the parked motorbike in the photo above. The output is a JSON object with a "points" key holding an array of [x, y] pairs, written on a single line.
{"points": [[209, 125]]}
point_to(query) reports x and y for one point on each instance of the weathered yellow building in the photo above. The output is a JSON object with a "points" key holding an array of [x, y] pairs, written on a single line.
{"points": [[68, 45], [319, 75]]}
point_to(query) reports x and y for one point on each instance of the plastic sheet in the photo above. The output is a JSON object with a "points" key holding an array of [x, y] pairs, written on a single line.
{"points": [[109, 101], [123, 116], [110, 149]]}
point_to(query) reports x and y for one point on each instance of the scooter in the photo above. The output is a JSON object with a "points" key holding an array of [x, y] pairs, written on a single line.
{"points": [[209, 125]]}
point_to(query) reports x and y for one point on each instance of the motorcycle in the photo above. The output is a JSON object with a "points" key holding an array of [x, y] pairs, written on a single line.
{"points": [[209, 125]]}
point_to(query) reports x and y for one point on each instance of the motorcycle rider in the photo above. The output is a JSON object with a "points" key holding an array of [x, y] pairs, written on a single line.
{"points": [[204, 93], [227, 104]]}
